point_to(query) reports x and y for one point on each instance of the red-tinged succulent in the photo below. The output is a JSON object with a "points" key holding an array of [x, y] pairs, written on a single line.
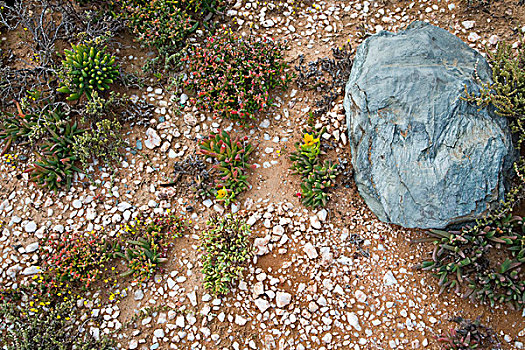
{"points": [[233, 76], [232, 162]]}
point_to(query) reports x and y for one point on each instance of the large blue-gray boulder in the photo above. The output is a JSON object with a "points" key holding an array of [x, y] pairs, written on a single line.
{"points": [[423, 157]]}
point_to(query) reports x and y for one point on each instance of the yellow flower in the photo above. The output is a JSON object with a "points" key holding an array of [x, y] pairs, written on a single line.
{"points": [[309, 140], [222, 193]]}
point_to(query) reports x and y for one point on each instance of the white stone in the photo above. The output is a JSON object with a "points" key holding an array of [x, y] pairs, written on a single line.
{"points": [[310, 251], [283, 299], [278, 230], [153, 139], [315, 223], [389, 279], [322, 214], [468, 24], [31, 247], [31, 270], [473, 37], [30, 227], [353, 321], [262, 304], [138, 295], [239, 320], [159, 333], [133, 344]]}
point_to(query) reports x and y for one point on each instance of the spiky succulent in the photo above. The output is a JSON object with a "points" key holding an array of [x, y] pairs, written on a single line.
{"points": [[15, 127], [314, 187], [148, 244], [55, 165], [232, 162], [88, 68], [306, 156]]}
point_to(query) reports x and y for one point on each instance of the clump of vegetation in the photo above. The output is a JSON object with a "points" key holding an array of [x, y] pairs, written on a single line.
{"points": [[48, 327], [192, 172], [16, 127], [75, 258], [327, 77], [147, 244], [232, 162], [87, 68], [233, 76], [317, 177], [162, 24], [469, 335], [166, 24], [226, 250], [103, 142], [464, 261], [507, 90], [55, 165]]}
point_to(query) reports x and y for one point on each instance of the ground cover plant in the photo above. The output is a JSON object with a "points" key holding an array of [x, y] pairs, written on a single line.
{"points": [[162, 24], [52, 327], [234, 77], [145, 244], [317, 177], [469, 335], [75, 258], [231, 156], [226, 251]]}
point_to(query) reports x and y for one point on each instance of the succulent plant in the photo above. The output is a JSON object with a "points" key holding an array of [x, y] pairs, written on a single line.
{"points": [[469, 335], [226, 250], [88, 69], [314, 187], [55, 165], [462, 261], [306, 156], [147, 244], [317, 177], [232, 162]]}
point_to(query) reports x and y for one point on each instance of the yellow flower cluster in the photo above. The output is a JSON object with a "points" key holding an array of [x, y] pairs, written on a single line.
{"points": [[10, 159], [309, 140]]}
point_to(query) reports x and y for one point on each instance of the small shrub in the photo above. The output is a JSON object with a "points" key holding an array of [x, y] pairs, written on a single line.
{"points": [[54, 327], [226, 250], [232, 157], [507, 91], [317, 177], [147, 244], [15, 127], [103, 142], [87, 69], [469, 335], [233, 76], [75, 258], [326, 77], [162, 24]]}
